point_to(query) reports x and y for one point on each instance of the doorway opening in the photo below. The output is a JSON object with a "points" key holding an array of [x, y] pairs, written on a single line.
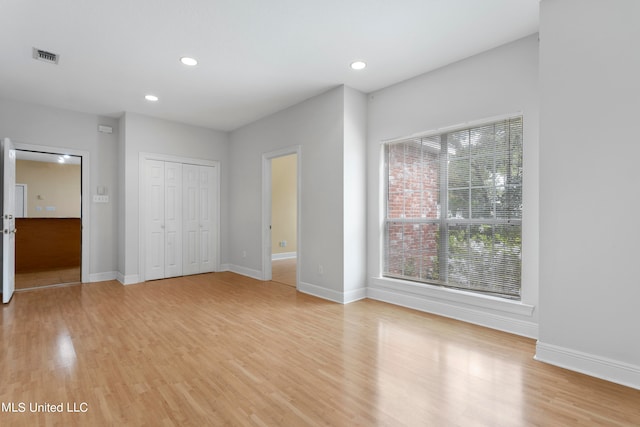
{"points": [[284, 218], [281, 216], [49, 241]]}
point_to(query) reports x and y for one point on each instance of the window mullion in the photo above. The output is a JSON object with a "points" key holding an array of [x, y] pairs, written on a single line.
{"points": [[444, 209]]}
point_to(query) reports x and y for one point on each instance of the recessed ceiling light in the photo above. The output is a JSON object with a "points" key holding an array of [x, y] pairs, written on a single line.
{"points": [[358, 65], [188, 61], [151, 98]]}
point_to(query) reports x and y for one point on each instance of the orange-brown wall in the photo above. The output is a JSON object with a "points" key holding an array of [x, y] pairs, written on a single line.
{"points": [[47, 243]]}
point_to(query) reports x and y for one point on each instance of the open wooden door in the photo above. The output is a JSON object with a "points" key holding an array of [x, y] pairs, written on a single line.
{"points": [[8, 219]]}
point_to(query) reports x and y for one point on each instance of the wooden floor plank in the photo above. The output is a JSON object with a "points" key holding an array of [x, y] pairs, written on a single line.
{"points": [[223, 349], [284, 271]]}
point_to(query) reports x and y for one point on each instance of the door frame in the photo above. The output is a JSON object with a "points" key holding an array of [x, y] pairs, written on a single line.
{"points": [[266, 209], [142, 159], [8, 158], [85, 193], [24, 198]]}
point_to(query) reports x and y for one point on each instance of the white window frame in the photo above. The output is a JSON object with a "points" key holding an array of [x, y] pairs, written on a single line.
{"points": [[444, 220]]}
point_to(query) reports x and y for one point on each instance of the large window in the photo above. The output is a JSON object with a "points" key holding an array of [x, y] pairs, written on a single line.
{"points": [[454, 209]]}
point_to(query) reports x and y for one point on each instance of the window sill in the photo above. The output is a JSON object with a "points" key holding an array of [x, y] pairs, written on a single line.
{"points": [[469, 299]]}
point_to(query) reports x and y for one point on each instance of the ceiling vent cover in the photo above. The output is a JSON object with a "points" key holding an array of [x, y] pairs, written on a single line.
{"points": [[43, 55]]}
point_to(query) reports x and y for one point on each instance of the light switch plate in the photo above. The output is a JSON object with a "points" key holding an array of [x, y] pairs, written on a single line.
{"points": [[100, 199]]}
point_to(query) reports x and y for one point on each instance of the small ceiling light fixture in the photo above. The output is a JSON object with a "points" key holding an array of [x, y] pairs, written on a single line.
{"points": [[151, 98], [358, 65], [192, 62], [60, 159]]}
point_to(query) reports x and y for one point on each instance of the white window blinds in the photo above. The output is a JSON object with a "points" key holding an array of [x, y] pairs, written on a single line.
{"points": [[454, 208]]}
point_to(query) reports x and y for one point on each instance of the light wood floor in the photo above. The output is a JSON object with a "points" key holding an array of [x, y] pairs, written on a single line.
{"points": [[222, 349], [284, 271], [37, 279]]}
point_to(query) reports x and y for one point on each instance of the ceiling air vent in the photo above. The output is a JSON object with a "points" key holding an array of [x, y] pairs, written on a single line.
{"points": [[43, 55]]}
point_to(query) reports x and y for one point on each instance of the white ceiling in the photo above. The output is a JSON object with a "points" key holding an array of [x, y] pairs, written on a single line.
{"points": [[47, 157], [256, 56]]}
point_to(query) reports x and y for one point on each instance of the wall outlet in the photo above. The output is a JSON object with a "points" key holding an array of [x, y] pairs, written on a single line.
{"points": [[283, 244], [244, 254], [320, 269]]}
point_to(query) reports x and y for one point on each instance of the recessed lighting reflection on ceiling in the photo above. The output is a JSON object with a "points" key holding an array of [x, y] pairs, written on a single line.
{"points": [[189, 61], [358, 65], [151, 98]]}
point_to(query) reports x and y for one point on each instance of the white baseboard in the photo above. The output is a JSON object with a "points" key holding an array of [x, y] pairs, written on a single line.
{"points": [[331, 295], [284, 255], [508, 317], [128, 280], [103, 277], [249, 272], [321, 292], [589, 364], [354, 295]]}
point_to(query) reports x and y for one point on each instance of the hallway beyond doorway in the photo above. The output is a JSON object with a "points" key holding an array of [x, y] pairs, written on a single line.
{"points": [[284, 271]]}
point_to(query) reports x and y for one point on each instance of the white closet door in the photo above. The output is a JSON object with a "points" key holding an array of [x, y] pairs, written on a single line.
{"points": [[206, 226], [200, 196], [191, 252], [155, 208], [173, 219]]}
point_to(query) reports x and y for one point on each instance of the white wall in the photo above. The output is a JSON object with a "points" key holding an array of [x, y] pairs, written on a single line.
{"points": [[355, 194], [500, 81], [317, 125], [144, 134], [44, 126], [589, 150]]}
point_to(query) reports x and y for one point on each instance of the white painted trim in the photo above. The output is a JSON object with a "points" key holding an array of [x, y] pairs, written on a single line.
{"points": [[321, 292], [85, 266], [142, 158], [331, 295], [225, 267], [103, 277], [266, 273], [178, 159], [284, 255], [249, 272], [453, 128], [131, 279], [462, 309], [589, 364], [454, 295], [354, 295], [25, 199]]}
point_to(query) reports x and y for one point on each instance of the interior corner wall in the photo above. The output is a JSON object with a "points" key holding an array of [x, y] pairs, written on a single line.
{"points": [[33, 124], [498, 82], [122, 205], [151, 135], [589, 270], [317, 126], [355, 194]]}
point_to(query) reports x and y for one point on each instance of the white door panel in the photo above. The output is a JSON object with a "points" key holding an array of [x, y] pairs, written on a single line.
{"points": [[181, 219], [154, 245], [173, 219], [8, 219], [208, 219], [191, 214]]}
